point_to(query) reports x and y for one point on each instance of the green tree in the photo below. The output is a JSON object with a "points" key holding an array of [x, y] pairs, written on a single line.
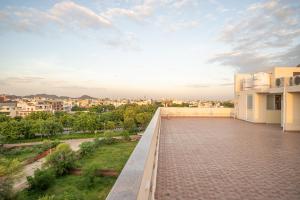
{"points": [[129, 123], [110, 125], [25, 128], [39, 115], [51, 127], [62, 159], [4, 118], [143, 119], [9, 130]]}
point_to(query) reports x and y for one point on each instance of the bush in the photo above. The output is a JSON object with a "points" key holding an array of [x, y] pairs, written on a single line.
{"points": [[88, 178], [108, 138], [98, 142], [126, 136], [86, 148], [42, 179], [62, 159]]}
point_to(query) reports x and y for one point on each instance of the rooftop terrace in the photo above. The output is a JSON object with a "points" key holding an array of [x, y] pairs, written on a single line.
{"points": [[206, 154]]}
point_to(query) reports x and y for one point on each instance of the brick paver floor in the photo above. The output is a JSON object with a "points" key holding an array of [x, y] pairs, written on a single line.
{"points": [[222, 158]]}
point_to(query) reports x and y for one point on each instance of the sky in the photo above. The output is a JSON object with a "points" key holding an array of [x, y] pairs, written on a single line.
{"points": [[183, 49]]}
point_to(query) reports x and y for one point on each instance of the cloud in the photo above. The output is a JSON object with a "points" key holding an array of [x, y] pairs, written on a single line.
{"points": [[182, 25], [265, 35], [242, 60], [66, 14], [138, 12]]}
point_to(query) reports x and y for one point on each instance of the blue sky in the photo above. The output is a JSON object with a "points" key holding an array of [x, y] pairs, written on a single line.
{"points": [[184, 49]]}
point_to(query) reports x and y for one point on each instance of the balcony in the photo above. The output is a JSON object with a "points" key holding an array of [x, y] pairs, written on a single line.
{"points": [[191, 153]]}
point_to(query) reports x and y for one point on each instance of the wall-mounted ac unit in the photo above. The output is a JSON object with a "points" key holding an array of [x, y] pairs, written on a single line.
{"points": [[296, 80], [279, 82]]}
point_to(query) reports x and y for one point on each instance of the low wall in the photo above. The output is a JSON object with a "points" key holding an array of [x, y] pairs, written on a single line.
{"points": [[136, 178], [197, 112]]}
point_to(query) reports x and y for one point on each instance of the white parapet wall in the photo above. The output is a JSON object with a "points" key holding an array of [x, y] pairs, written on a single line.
{"points": [[197, 112]]}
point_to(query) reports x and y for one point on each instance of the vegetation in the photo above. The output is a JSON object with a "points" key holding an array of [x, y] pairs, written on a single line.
{"points": [[130, 117], [41, 180], [62, 159], [87, 185], [27, 152], [7, 170], [228, 104]]}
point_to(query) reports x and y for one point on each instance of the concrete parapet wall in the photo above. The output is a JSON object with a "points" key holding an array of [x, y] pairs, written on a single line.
{"points": [[136, 178], [197, 112]]}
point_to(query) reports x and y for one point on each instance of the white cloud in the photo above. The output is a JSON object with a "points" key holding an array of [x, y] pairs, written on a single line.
{"points": [[182, 25], [67, 14], [265, 34]]}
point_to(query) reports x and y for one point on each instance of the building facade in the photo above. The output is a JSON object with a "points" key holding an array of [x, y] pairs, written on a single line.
{"points": [[269, 97]]}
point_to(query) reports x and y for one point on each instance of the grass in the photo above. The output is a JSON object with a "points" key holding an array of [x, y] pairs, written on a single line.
{"points": [[22, 153], [70, 187], [65, 137]]}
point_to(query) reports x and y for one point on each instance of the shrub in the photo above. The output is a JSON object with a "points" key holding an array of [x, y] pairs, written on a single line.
{"points": [[108, 138], [126, 136], [98, 142], [62, 159], [86, 148], [42, 179]]}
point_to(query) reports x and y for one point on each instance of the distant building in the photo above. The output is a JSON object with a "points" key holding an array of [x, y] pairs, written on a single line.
{"points": [[269, 97], [8, 108]]}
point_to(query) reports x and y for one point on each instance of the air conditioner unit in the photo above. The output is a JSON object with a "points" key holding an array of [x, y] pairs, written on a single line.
{"points": [[296, 80], [279, 82]]}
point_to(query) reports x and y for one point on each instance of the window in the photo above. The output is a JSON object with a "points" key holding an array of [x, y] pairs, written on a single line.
{"points": [[277, 102], [273, 102], [249, 101], [270, 102]]}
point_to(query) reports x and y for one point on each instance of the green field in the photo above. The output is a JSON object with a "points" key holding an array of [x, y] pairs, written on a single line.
{"points": [[71, 187]]}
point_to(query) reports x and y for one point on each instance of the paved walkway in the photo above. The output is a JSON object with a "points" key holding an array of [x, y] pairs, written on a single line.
{"points": [[219, 158]]}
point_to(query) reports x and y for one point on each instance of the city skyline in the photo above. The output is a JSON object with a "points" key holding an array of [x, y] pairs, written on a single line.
{"points": [[155, 48]]}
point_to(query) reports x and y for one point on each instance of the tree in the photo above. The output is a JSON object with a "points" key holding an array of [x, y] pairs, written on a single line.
{"points": [[51, 127], [129, 123], [110, 125], [4, 118], [9, 130], [143, 119], [39, 115], [25, 128], [62, 159]]}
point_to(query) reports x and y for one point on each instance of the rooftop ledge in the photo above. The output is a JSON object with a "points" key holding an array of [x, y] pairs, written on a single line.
{"points": [[138, 178]]}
